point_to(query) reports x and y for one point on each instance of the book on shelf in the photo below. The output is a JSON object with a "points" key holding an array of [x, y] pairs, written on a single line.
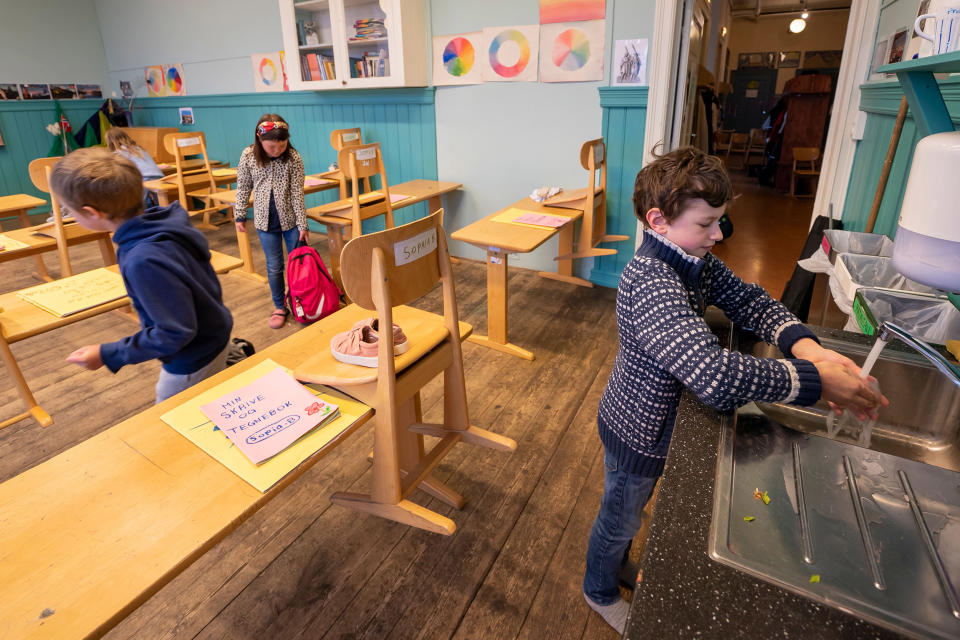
{"points": [[301, 34]]}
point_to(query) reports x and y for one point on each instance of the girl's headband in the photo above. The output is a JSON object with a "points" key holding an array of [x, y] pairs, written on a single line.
{"points": [[270, 125]]}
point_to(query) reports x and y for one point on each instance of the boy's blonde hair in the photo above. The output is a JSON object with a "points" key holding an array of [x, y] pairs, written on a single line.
{"points": [[96, 178], [116, 138], [674, 179]]}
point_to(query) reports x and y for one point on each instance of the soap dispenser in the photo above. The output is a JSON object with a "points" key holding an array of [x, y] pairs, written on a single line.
{"points": [[927, 246]]}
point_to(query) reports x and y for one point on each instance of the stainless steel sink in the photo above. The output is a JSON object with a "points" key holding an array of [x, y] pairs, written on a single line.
{"points": [[922, 422], [879, 527]]}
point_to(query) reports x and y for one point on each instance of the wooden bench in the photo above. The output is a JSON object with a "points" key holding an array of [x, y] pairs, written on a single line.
{"points": [[91, 534], [20, 320]]}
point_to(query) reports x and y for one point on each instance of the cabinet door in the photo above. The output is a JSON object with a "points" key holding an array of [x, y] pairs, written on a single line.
{"points": [[311, 38], [371, 44]]}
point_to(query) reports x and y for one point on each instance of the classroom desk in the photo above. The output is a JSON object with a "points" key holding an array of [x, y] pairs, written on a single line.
{"points": [[188, 165], [18, 205], [243, 240], [332, 215], [20, 320], [92, 533], [499, 239], [167, 192], [37, 244]]}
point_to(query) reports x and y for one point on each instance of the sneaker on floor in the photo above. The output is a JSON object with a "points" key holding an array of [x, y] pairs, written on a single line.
{"points": [[400, 342], [614, 614], [278, 318], [356, 346]]}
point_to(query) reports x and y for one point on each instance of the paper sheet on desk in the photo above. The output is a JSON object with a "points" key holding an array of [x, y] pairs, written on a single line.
{"points": [[524, 218], [365, 199], [316, 182], [9, 244], [190, 422]]}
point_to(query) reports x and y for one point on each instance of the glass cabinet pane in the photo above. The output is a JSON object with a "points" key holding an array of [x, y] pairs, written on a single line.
{"points": [[367, 39], [315, 40]]}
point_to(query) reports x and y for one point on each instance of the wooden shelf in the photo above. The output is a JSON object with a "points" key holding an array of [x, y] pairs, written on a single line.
{"points": [[943, 63], [922, 91], [366, 41], [308, 47]]}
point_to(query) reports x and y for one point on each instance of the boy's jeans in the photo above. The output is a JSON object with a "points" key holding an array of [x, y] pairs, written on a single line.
{"points": [[272, 244], [624, 496]]}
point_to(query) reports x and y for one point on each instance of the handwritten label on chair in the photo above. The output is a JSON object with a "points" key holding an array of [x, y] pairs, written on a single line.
{"points": [[415, 247], [349, 137], [367, 154], [187, 142]]}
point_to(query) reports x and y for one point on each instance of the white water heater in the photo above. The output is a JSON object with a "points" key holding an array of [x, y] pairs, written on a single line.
{"points": [[927, 245]]}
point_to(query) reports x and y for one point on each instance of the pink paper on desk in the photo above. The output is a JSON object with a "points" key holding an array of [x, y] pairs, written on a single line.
{"points": [[315, 182], [266, 416], [542, 220]]}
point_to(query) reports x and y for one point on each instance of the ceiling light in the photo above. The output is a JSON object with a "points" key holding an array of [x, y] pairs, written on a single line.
{"points": [[805, 15], [797, 25]]}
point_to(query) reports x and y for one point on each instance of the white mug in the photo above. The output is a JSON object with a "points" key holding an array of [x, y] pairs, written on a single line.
{"points": [[946, 29]]}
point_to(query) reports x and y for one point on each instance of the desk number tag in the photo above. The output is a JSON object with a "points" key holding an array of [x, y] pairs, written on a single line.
{"points": [[416, 247], [187, 142], [366, 154], [350, 137]]}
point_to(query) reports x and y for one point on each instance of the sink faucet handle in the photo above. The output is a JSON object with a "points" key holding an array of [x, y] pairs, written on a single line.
{"points": [[887, 330]]}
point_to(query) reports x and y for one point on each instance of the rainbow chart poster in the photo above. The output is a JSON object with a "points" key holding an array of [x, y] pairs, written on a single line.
{"points": [[173, 78], [572, 51], [155, 82], [552, 11], [267, 71], [456, 59], [510, 54]]}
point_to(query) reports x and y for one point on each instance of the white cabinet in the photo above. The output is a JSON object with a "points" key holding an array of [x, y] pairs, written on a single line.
{"points": [[353, 44]]}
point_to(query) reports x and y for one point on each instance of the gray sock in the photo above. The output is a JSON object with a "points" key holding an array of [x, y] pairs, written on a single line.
{"points": [[614, 614]]}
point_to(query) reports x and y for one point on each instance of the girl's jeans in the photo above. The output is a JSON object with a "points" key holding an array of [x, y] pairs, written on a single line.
{"points": [[272, 244], [624, 496]]}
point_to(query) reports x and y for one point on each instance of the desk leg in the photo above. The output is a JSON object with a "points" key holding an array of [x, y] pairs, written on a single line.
{"points": [[107, 253], [33, 409], [335, 245], [163, 197], [434, 203], [497, 308], [246, 267], [564, 271], [41, 273]]}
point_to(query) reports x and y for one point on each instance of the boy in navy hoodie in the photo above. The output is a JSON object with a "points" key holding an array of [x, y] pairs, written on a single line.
{"points": [[665, 345], [165, 264]]}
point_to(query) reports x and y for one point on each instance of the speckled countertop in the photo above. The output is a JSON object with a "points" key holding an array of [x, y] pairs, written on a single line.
{"points": [[686, 594]]}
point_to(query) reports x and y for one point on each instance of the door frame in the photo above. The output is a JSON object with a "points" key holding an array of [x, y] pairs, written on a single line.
{"points": [[667, 52]]}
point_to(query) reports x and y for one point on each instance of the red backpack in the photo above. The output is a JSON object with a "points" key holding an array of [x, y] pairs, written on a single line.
{"points": [[311, 292]]}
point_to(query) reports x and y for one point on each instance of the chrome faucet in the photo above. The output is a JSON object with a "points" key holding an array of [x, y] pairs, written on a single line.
{"points": [[888, 330]]}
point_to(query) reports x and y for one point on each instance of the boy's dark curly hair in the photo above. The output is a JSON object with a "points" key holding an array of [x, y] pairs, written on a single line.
{"points": [[673, 179]]}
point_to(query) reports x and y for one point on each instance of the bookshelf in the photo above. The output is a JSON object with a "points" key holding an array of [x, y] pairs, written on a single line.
{"points": [[352, 44]]}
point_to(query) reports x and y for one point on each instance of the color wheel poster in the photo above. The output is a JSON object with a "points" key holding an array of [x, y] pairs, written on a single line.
{"points": [[267, 71], [510, 53], [155, 85], [173, 78], [456, 59], [552, 11], [572, 51]]}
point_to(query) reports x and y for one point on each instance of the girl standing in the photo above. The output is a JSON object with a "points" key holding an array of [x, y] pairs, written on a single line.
{"points": [[273, 170]]}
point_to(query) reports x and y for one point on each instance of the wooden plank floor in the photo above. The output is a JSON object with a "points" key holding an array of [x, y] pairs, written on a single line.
{"points": [[303, 568]]}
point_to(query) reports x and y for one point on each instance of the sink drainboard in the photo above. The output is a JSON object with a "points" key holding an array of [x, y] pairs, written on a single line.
{"points": [[881, 532]]}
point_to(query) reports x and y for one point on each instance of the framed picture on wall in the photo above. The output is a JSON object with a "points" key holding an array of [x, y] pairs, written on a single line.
{"points": [[9, 92], [822, 59], [788, 59], [898, 45], [757, 60], [880, 53]]}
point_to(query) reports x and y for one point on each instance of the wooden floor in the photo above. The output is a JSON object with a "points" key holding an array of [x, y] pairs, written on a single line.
{"points": [[303, 568]]}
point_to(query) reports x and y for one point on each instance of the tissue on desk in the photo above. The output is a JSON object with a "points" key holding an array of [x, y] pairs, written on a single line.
{"points": [[542, 193]]}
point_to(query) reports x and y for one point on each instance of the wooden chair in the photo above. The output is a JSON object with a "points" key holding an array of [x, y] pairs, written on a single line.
{"points": [[721, 141], [804, 166], [196, 183], [358, 163], [373, 280], [739, 143], [756, 148], [341, 139], [593, 202]]}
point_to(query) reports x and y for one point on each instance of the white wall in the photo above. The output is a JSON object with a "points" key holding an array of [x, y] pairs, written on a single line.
{"points": [[51, 41], [504, 139], [213, 39]]}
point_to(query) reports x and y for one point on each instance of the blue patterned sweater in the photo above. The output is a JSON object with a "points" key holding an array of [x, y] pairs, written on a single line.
{"points": [[665, 344]]}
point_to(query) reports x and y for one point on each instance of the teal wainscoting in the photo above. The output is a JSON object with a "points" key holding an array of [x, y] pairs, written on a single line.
{"points": [[880, 102], [402, 120], [23, 128], [624, 119]]}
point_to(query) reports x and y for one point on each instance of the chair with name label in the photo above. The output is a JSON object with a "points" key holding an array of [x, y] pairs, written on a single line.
{"points": [[341, 139], [195, 184], [383, 272]]}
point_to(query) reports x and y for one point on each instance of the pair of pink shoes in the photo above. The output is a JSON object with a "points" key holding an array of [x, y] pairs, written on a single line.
{"points": [[359, 345]]}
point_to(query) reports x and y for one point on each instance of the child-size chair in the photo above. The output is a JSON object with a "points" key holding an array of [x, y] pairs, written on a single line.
{"points": [[593, 202], [804, 166], [196, 183], [65, 234], [756, 148], [341, 139], [358, 163], [383, 271]]}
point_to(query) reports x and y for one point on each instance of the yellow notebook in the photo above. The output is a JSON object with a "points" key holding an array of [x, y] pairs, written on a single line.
{"points": [[223, 172], [74, 294], [190, 422]]}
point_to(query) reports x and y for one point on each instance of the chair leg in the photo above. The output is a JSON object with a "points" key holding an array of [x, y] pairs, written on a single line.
{"points": [[34, 410], [404, 512]]}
